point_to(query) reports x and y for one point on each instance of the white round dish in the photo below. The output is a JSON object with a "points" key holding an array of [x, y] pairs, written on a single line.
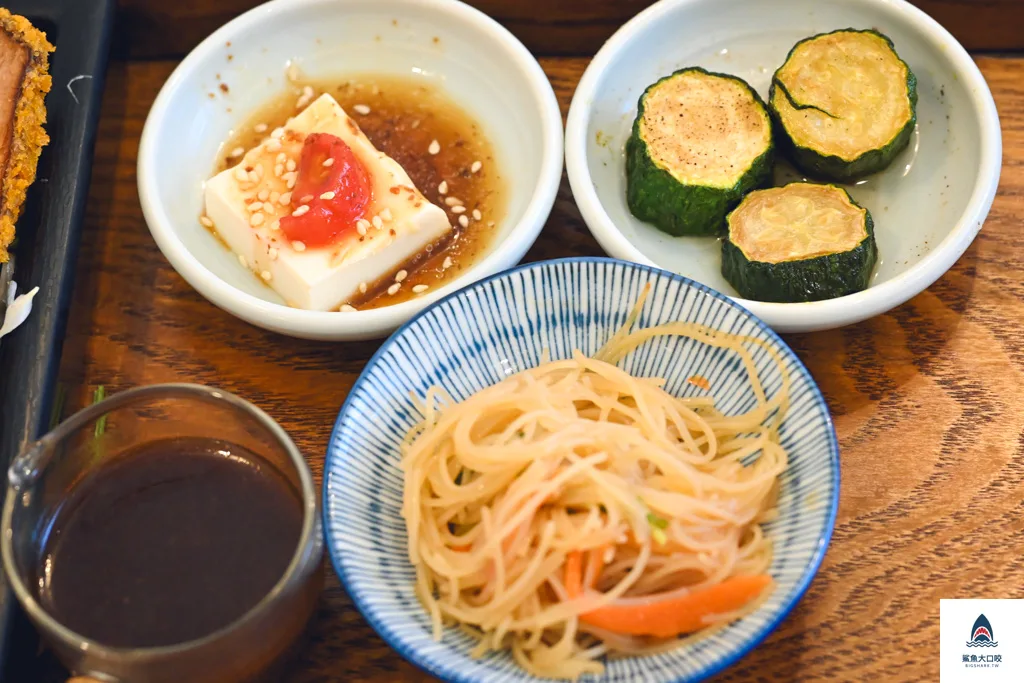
{"points": [[479, 64], [927, 206]]}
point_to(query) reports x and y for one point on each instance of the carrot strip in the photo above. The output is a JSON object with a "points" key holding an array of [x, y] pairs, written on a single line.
{"points": [[595, 563], [678, 615], [574, 574]]}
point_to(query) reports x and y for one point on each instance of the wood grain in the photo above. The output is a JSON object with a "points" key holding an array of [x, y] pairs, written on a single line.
{"points": [[927, 402], [159, 29]]}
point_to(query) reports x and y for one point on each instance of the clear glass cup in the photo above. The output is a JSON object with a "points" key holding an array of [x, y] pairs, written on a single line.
{"points": [[255, 646]]}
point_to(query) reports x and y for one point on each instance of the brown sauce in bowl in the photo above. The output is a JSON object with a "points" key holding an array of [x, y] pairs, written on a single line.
{"points": [[402, 117], [168, 543]]}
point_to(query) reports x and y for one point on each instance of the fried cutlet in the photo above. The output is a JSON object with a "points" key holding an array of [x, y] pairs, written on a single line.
{"points": [[24, 82]]}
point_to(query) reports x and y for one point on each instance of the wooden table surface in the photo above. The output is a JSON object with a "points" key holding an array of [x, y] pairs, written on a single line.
{"points": [[927, 401]]}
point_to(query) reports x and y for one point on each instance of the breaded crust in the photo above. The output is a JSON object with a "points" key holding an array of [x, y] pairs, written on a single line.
{"points": [[28, 136]]}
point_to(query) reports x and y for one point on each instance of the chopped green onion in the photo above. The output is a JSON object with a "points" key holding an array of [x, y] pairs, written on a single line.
{"points": [[659, 536], [656, 521], [101, 423]]}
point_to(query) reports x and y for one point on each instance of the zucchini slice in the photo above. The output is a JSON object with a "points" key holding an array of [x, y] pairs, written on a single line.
{"points": [[700, 141], [844, 104], [799, 242]]}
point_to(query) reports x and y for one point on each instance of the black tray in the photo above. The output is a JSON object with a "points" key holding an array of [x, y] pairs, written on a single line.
{"points": [[49, 229]]}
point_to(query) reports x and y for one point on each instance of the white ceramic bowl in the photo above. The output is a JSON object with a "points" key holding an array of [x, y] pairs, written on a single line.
{"points": [[479, 64], [928, 206]]}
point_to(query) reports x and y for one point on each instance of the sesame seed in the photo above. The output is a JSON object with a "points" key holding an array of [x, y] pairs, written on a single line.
{"points": [[447, 263], [362, 288], [290, 165], [476, 166], [328, 162], [293, 72], [453, 201], [434, 148], [291, 183], [386, 214], [256, 220], [253, 177], [278, 170], [307, 91], [464, 221], [281, 158], [238, 151], [361, 109], [306, 199], [275, 196], [458, 209], [345, 308], [273, 253], [477, 215], [273, 145], [363, 222], [419, 289], [401, 275], [299, 246], [285, 199], [276, 225], [260, 128], [255, 206], [443, 187], [490, 224], [361, 226], [327, 195], [416, 123], [393, 289], [241, 175], [265, 275], [377, 222], [241, 259], [278, 133], [206, 221], [263, 195], [301, 211]]}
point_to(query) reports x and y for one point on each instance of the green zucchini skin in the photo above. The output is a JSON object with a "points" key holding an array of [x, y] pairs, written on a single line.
{"points": [[814, 279], [828, 166], [654, 196]]}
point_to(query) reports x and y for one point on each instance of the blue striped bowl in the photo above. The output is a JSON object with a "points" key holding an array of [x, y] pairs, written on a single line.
{"points": [[481, 334]]}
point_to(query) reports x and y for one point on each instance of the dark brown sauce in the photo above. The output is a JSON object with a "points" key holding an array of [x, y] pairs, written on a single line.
{"points": [[169, 543], [405, 116]]}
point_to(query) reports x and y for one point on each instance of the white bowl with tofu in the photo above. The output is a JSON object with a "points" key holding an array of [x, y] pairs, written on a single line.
{"points": [[347, 233]]}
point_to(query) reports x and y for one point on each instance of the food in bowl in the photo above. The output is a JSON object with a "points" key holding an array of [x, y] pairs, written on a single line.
{"points": [[845, 104], [330, 208], [701, 147], [574, 511], [799, 242], [700, 141], [24, 82]]}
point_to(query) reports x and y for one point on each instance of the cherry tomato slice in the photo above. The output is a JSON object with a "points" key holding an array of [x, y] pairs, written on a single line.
{"points": [[345, 176]]}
